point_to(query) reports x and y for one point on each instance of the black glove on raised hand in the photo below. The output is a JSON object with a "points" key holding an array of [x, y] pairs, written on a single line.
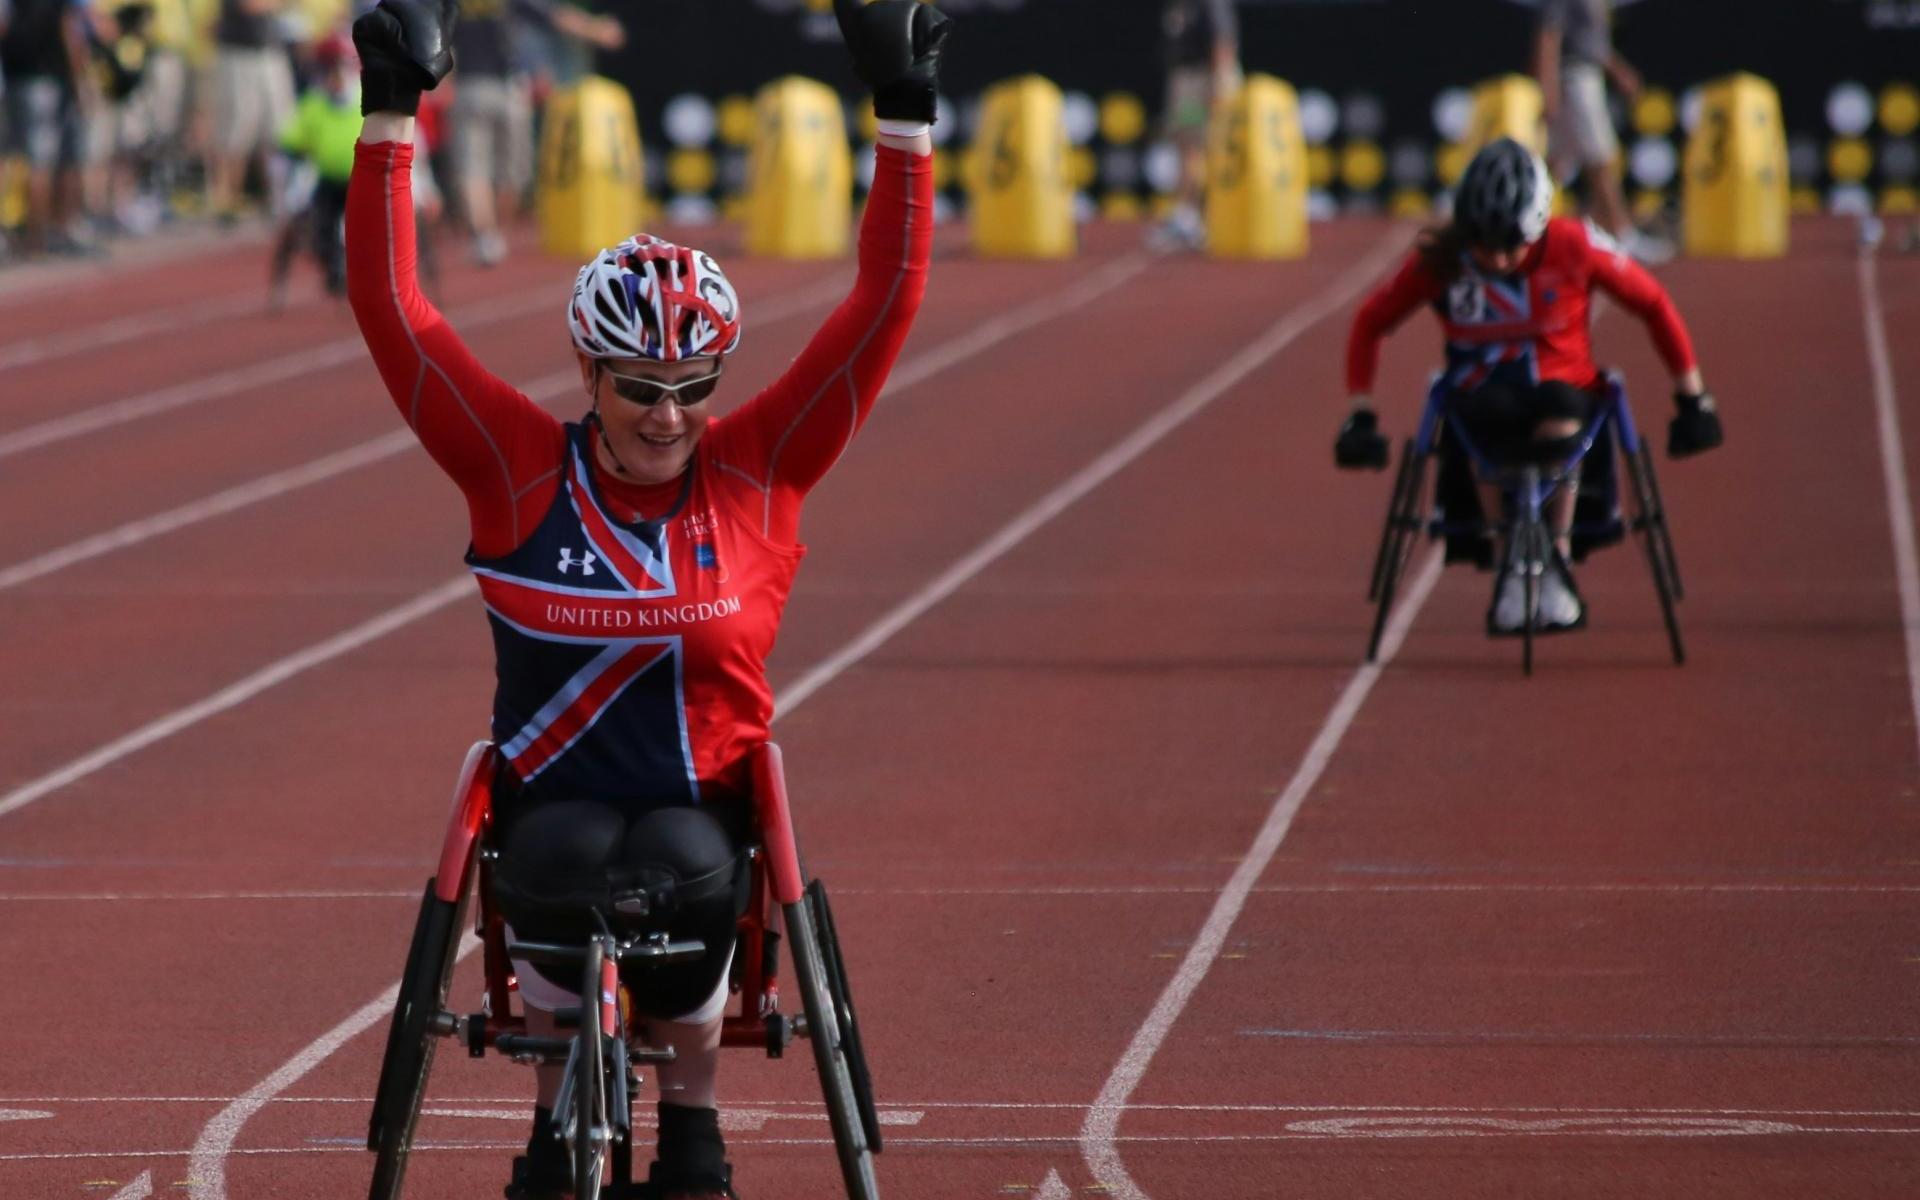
{"points": [[1695, 428], [896, 51], [1360, 444], [405, 47]]}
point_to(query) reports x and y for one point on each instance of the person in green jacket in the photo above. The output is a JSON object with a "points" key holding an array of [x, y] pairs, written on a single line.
{"points": [[324, 127]]}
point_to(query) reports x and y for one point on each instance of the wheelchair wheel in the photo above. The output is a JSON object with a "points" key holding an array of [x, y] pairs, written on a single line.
{"points": [[419, 1021], [1657, 515], [836, 1044], [1659, 547], [1403, 524], [837, 982], [1388, 530], [588, 1129]]}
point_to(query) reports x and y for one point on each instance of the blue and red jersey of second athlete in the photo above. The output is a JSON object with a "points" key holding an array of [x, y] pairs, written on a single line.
{"points": [[1531, 326], [631, 624]]}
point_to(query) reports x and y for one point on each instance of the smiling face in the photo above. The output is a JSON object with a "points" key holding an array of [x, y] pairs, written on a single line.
{"points": [[646, 443]]}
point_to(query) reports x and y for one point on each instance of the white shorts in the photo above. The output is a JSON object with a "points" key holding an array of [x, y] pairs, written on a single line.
{"points": [[538, 992], [252, 99], [493, 132], [1583, 135]]}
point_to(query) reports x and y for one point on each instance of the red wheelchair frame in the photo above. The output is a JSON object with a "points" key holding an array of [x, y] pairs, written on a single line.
{"points": [[782, 905]]}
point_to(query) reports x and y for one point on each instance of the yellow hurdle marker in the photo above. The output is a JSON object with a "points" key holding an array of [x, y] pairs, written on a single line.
{"points": [[1257, 174], [1508, 106], [1733, 198], [592, 186], [1020, 201], [799, 173]]}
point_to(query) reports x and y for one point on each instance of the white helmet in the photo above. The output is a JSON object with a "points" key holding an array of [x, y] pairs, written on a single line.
{"points": [[648, 298]]}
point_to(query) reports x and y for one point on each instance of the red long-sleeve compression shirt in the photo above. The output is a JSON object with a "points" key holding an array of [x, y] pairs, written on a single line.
{"points": [[1544, 311], [631, 652]]}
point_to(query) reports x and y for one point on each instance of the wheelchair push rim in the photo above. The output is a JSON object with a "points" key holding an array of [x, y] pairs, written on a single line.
{"points": [[413, 1033]]}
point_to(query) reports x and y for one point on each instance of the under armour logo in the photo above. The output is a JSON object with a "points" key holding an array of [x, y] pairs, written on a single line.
{"points": [[584, 562]]}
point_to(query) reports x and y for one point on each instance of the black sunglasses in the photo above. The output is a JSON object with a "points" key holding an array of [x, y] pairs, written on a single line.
{"points": [[649, 392]]}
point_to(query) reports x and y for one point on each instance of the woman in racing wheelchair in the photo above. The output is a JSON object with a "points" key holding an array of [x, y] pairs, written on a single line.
{"points": [[1513, 289], [634, 564]]}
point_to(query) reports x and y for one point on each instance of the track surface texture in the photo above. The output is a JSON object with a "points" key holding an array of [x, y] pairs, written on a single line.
{"points": [[1148, 888]]}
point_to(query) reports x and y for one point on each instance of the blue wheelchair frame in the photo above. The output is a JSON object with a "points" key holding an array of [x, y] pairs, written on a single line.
{"points": [[1528, 542]]}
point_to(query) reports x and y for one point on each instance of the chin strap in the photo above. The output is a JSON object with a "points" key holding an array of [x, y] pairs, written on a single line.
{"points": [[593, 418]]}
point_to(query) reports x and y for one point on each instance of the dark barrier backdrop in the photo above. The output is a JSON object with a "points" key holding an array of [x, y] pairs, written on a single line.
{"points": [[1403, 51]]}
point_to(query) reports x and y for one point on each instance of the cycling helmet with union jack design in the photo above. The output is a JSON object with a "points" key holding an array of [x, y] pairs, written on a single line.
{"points": [[1505, 197], [648, 298]]}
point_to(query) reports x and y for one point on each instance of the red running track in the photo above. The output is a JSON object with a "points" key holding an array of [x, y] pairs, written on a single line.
{"points": [[1620, 930]]}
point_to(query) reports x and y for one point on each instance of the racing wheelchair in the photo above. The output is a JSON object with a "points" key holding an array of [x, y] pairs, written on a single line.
{"points": [[1523, 534], [593, 1114]]}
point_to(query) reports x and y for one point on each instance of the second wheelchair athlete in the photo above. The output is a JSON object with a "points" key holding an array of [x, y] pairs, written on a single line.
{"points": [[1513, 289]]}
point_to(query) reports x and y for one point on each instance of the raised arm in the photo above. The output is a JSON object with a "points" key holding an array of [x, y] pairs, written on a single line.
{"points": [[494, 442], [788, 436]]}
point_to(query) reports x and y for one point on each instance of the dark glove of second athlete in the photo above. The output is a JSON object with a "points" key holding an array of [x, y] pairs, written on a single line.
{"points": [[1360, 444], [405, 48], [1695, 427], [895, 46]]}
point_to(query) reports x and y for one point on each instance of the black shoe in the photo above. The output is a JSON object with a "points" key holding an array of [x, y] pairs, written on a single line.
{"points": [[680, 1184], [543, 1172]]}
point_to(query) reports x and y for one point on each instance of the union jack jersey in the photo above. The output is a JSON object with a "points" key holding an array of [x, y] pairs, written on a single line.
{"points": [[631, 652], [1533, 325]]}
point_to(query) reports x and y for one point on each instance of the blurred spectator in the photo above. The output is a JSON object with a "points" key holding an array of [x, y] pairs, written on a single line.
{"points": [[253, 97], [43, 55], [321, 133], [1574, 59], [492, 111], [155, 119], [1203, 67]]}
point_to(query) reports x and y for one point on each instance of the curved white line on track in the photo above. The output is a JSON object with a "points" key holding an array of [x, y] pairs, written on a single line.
{"points": [[1893, 471], [139, 1189], [1099, 1135], [207, 1172]]}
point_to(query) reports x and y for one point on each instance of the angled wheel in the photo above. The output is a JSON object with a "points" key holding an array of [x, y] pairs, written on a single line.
{"points": [[1657, 518], [419, 1021], [1387, 531], [836, 1045], [837, 983], [1652, 526], [1403, 524]]}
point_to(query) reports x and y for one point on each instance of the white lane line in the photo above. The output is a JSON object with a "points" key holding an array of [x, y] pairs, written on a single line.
{"points": [[144, 324], [238, 693], [1893, 470], [139, 1189], [210, 1151], [301, 364], [1357, 889], [1169, 418], [1098, 1136], [358, 1145], [901, 1112], [215, 1142], [1011, 324]]}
